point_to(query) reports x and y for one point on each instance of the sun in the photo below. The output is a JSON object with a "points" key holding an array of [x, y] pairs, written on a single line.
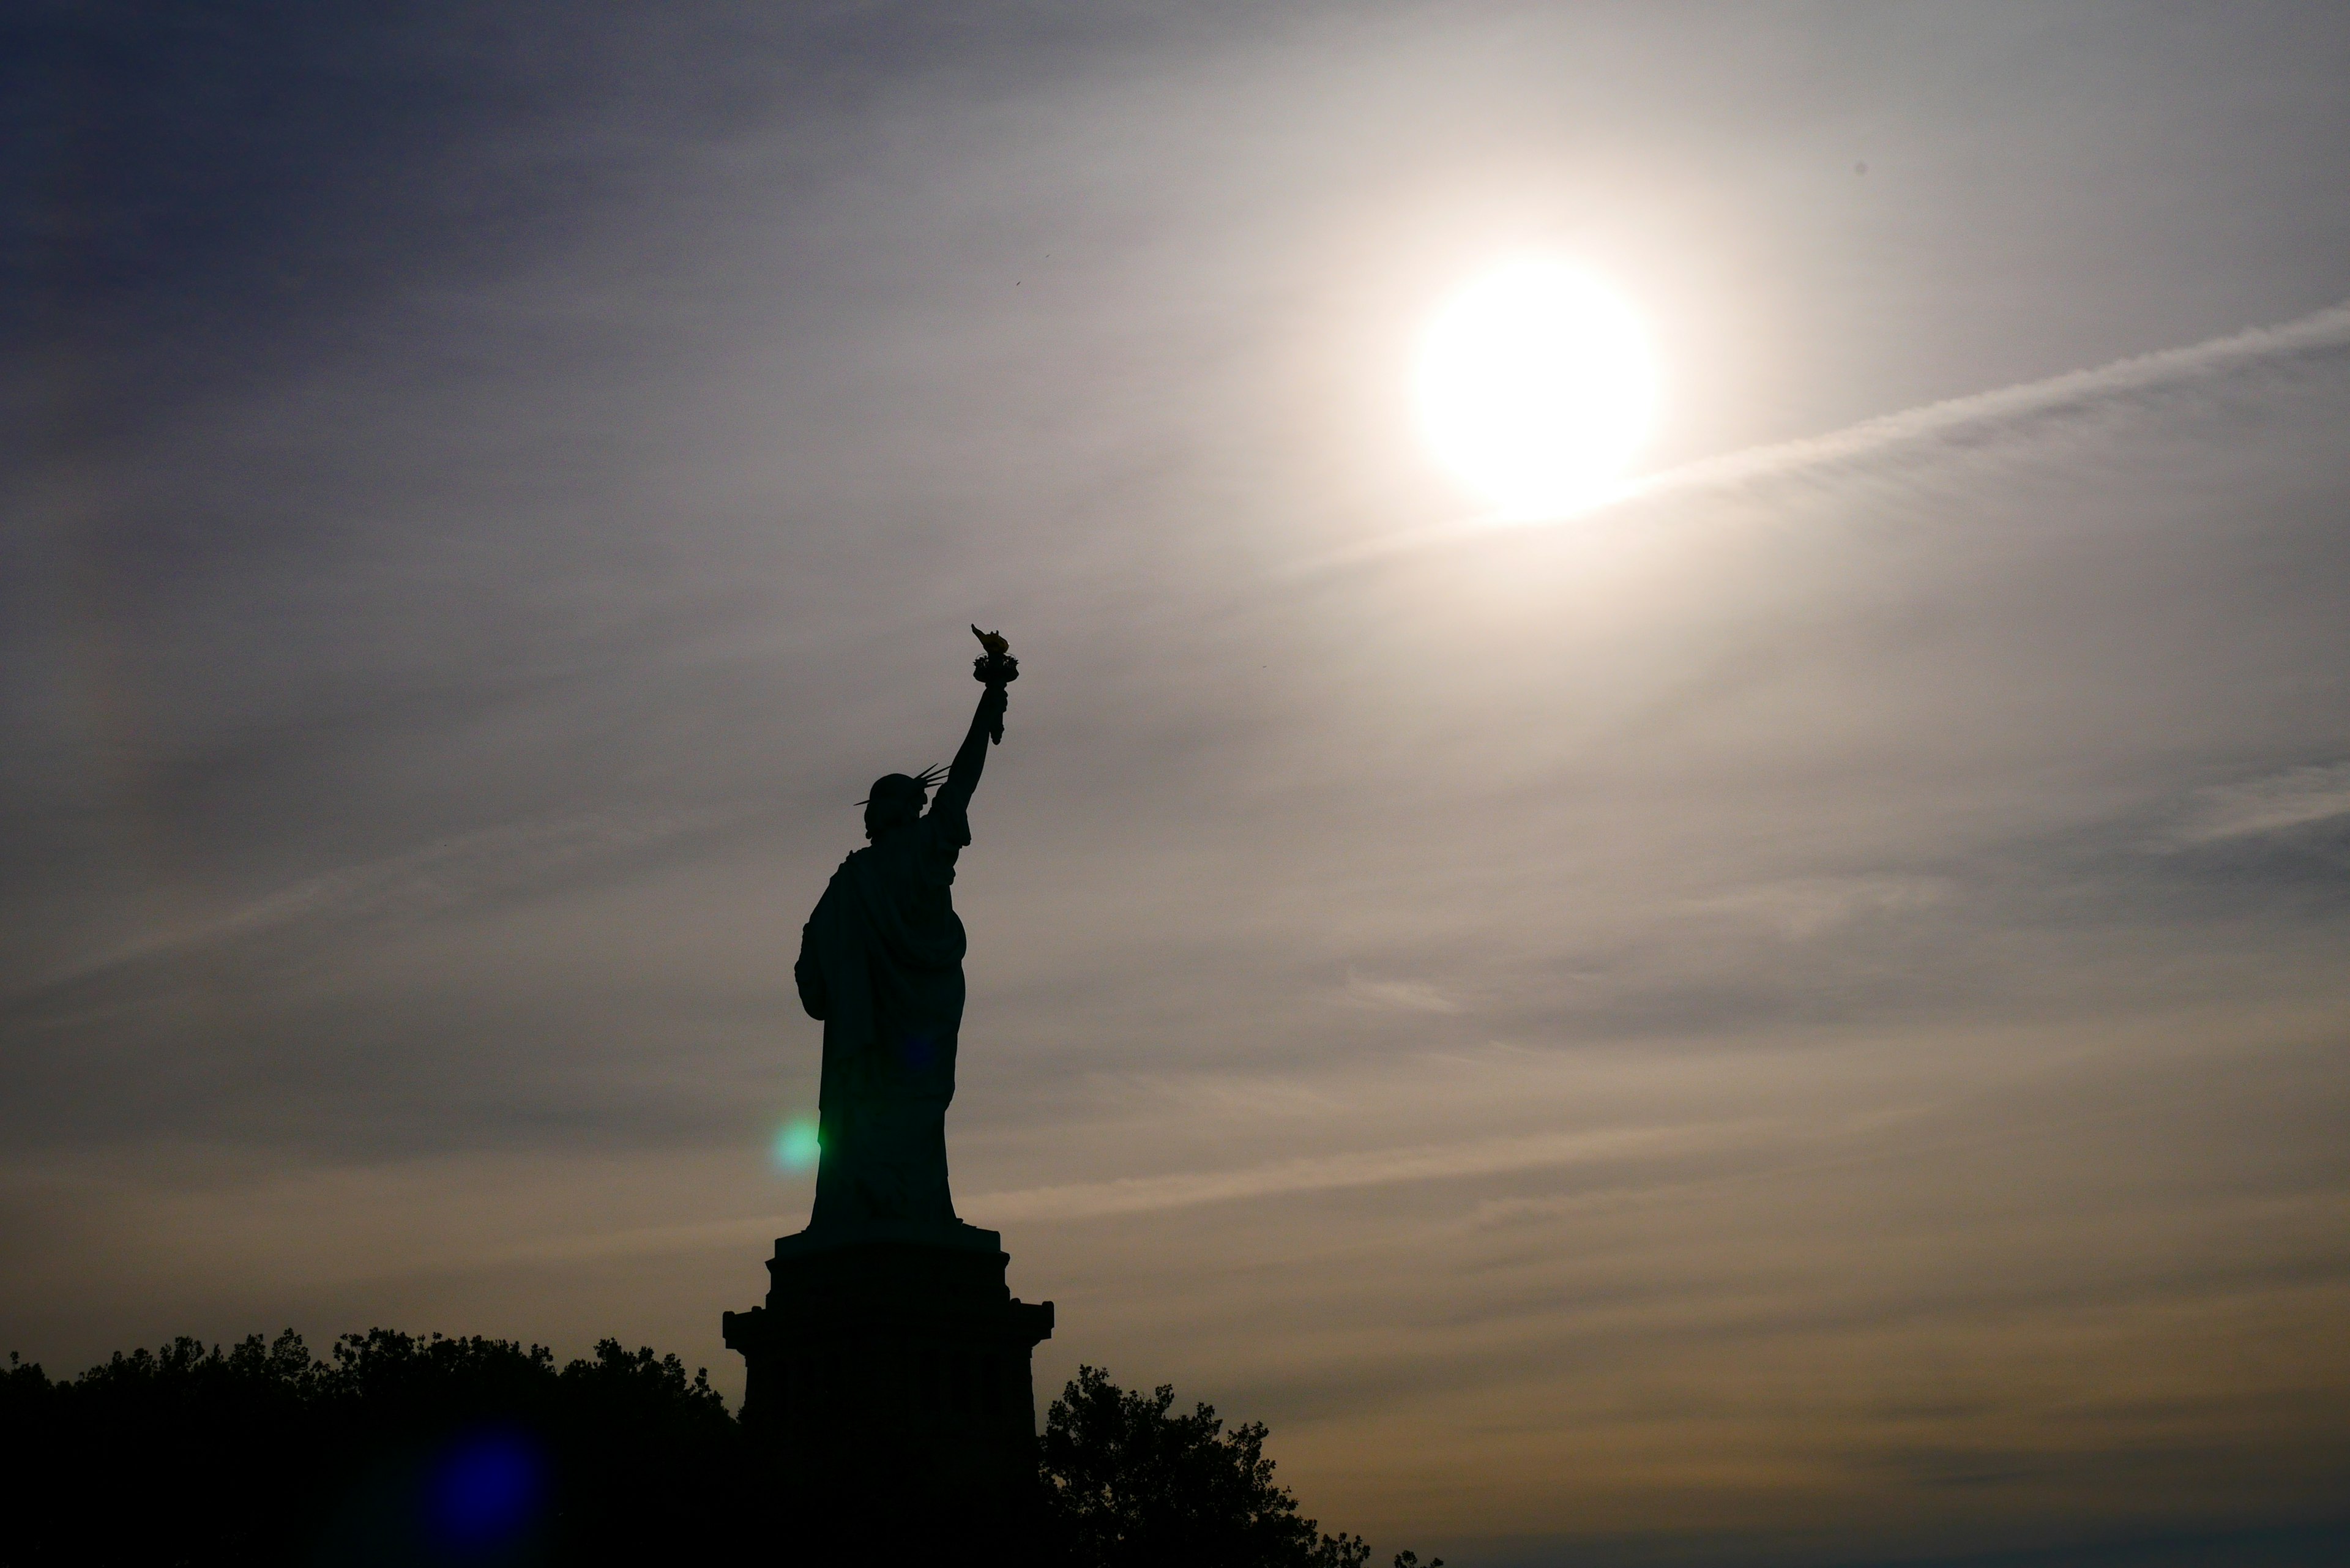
{"points": [[1537, 387]]}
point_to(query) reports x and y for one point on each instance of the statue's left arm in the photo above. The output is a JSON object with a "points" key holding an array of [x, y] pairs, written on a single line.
{"points": [[807, 973], [962, 774]]}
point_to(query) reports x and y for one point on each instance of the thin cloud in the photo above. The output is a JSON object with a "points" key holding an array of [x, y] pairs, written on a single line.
{"points": [[1804, 908], [1373, 1167], [444, 876], [2014, 410], [1395, 995], [1984, 417], [642, 1241], [2294, 798]]}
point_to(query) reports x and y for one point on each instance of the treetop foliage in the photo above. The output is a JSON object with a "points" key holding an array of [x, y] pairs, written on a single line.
{"points": [[402, 1448], [1133, 1483], [395, 1447]]}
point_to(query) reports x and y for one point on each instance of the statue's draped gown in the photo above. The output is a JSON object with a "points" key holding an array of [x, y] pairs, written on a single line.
{"points": [[881, 964]]}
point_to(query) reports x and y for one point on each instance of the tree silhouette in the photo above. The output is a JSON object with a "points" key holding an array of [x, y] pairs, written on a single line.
{"points": [[405, 1448], [1131, 1483], [396, 1448]]}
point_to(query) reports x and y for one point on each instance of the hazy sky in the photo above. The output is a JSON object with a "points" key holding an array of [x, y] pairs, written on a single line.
{"points": [[1799, 1017]]}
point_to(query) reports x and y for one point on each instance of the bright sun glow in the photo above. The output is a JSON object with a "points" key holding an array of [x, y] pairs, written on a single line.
{"points": [[1537, 385]]}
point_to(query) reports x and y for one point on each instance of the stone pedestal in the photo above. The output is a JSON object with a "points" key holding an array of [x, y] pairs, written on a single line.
{"points": [[889, 1370]]}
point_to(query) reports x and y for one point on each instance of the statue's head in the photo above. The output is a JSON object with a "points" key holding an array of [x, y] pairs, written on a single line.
{"points": [[896, 800]]}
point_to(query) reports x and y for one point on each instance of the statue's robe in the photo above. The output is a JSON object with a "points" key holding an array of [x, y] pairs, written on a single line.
{"points": [[881, 964]]}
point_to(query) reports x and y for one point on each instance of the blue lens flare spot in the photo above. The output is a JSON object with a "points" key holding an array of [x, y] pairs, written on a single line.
{"points": [[488, 1489], [798, 1145]]}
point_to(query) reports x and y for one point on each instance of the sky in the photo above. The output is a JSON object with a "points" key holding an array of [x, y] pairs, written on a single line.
{"points": [[1798, 1015]]}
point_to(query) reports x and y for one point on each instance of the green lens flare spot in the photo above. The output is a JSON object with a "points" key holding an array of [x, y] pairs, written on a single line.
{"points": [[798, 1145]]}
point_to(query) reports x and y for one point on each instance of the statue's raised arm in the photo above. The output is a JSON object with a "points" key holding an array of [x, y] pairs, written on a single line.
{"points": [[995, 669]]}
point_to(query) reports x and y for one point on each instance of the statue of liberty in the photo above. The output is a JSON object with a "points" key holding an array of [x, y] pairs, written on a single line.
{"points": [[882, 965], [891, 1368]]}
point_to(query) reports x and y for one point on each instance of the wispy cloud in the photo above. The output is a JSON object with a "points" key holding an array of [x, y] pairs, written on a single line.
{"points": [[441, 877], [1394, 995], [2293, 798], [1803, 908], [2015, 411], [1371, 1168], [1977, 419]]}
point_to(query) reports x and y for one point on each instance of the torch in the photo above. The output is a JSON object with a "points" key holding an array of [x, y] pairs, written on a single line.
{"points": [[994, 669]]}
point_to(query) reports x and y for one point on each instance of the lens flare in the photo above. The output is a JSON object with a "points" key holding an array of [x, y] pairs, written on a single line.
{"points": [[486, 1489], [798, 1145]]}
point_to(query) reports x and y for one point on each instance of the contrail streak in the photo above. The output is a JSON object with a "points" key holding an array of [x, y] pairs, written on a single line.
{"points": [[2013, 408], [2008, 412]]}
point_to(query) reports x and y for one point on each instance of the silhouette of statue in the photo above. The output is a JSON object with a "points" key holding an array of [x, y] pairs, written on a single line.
{"points": [[890, 1367], [882, 965]]}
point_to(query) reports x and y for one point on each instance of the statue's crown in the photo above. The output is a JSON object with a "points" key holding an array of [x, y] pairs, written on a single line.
{"points": [[914, 788]]}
